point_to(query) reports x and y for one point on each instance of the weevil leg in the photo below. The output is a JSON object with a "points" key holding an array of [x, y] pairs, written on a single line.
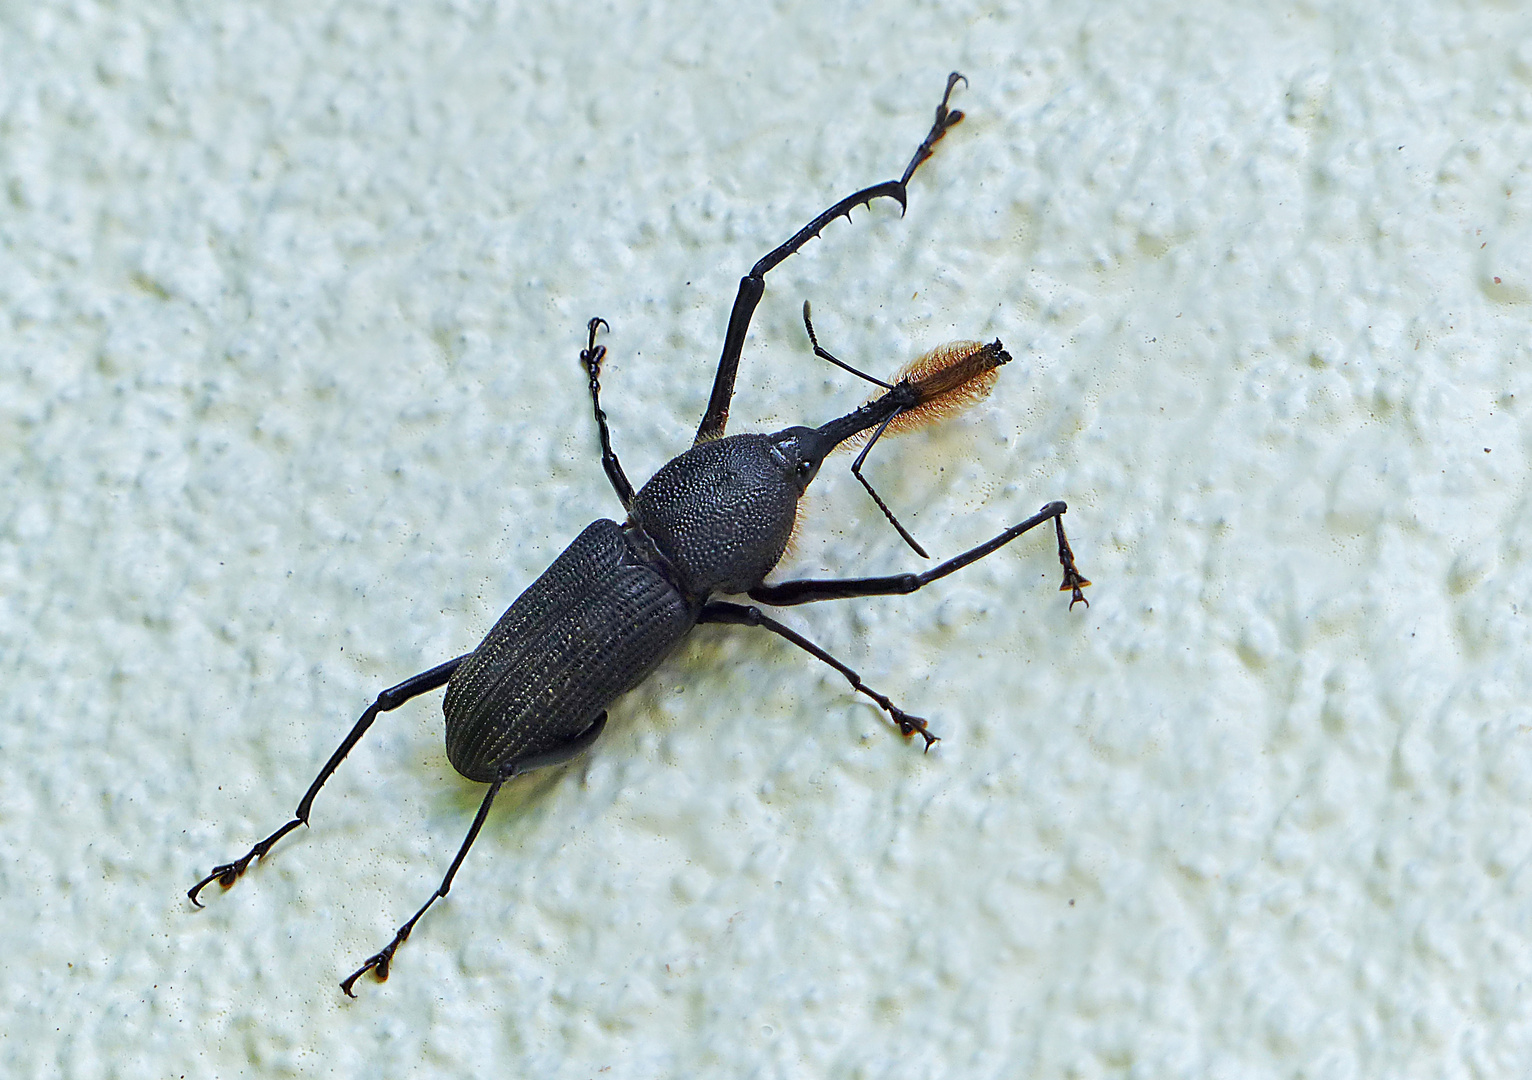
{"points": [[379, 962], [753, 284], [591, 357], [1074, 581], [390, 699], [809, 590], [721, 611]]}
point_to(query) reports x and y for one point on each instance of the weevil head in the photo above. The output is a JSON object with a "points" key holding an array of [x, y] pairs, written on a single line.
{"points": [[798, 452], [723, 512]]}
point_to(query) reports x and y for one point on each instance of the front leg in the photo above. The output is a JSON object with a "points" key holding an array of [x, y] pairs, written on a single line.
{"points": [[753, 284], [810, 590]]}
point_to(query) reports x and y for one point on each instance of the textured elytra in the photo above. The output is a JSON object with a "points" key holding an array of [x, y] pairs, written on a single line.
{"points": [[722, 512], [592, 627]]}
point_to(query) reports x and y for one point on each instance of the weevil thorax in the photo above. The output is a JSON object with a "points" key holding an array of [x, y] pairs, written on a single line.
{"points": [[722, 513]]}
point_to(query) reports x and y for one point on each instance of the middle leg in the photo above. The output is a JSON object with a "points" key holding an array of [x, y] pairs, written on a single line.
{"points": [[590, 358], [721, 611]]}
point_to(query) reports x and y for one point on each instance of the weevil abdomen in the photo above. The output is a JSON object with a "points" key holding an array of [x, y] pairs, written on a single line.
{"points": [[588, 630]]}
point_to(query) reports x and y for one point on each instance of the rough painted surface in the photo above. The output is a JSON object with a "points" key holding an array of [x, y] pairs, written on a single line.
{"points": [[290, 304]]}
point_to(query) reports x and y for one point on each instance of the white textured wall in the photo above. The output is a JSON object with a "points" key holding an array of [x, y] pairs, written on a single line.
{"points": [[290, 305]]}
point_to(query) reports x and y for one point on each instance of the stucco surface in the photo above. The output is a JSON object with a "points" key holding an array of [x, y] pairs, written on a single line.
{"points": [[291, 297]]}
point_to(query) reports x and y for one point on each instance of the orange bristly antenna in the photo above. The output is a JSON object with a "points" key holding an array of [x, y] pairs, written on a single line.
{"points": [[945, 380]]}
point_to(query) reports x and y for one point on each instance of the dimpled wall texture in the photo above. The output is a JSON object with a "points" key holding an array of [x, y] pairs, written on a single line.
{"points": [[291, 297]]}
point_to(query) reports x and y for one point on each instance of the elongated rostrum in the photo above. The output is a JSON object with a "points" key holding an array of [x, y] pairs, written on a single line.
{"points": [[713, 521]]}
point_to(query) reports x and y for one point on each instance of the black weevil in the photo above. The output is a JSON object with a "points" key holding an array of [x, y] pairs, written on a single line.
{"points": [[714, 520]]}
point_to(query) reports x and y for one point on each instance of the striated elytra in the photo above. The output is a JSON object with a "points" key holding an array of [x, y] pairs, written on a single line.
{"points": [[714, 520]]}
